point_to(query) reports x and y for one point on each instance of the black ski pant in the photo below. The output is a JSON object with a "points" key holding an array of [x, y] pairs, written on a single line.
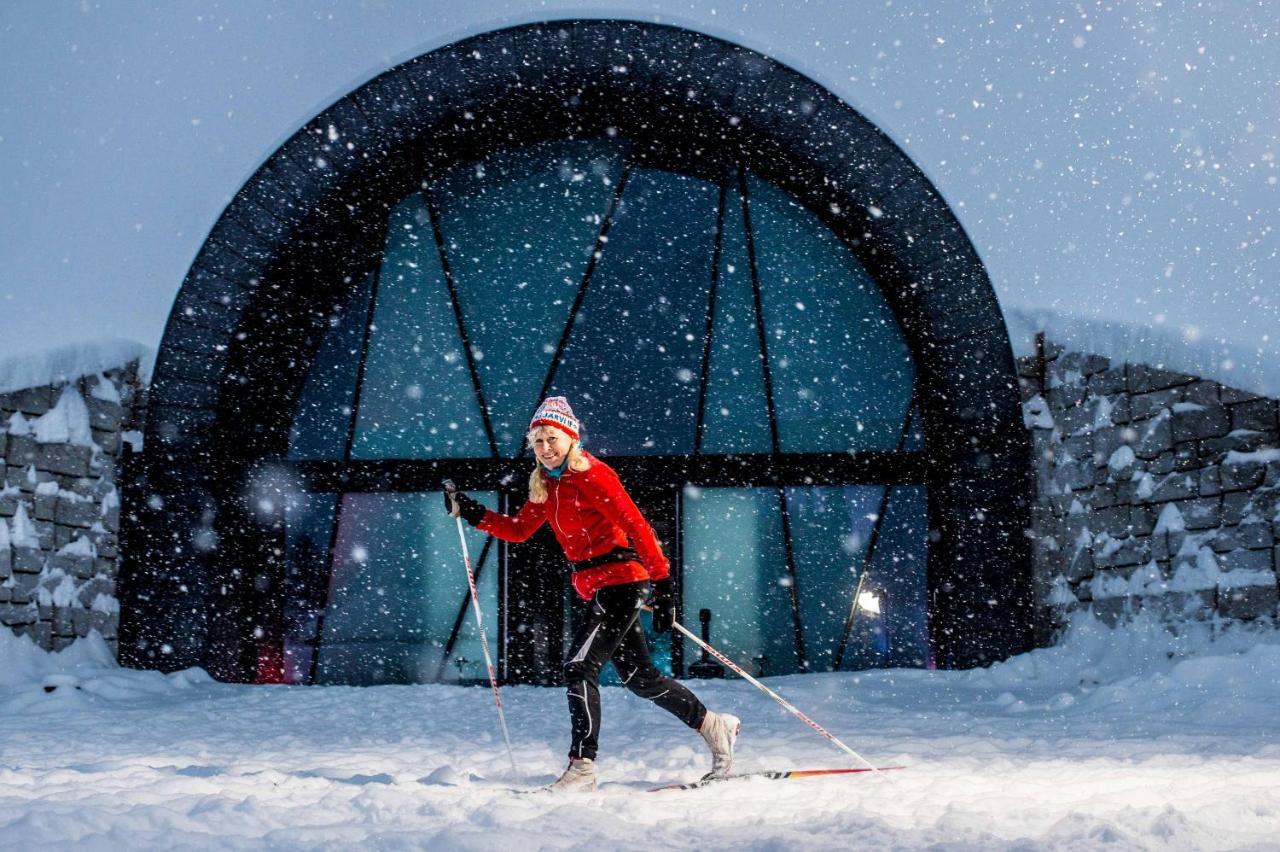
{"points": [[612, 631]]}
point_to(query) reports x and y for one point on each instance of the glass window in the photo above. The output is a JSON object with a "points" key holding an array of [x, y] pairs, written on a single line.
{"points": [[417, 399], [323, 416], [397, 585], [308, 533], [841, 371], [735, 566], [830, 530], [899, 634], [634, 360], [519, 228], [736, 419]]}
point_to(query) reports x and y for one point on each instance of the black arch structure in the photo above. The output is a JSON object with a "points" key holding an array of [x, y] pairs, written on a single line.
{"points": [[246, 321]]}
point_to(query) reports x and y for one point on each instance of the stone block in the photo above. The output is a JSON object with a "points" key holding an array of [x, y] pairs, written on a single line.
{"points": [[76, 513], [104, 414], [1272, 478], [108, 442], [1143, 378], [61, 621], [1259, 415], [1104, 495], [22, 450], [1111, 611], [1174, 486], [62, 536], [1186, 456], [106, 623], [1146, 405], [1142, 519], [1200, 423], [1248, 560], [107, 544], [81, 621], [65, 458], [1251, 536], [4, 435], [1154, 436], [43, 506], [28, 560], [1235, 506], [1240, 440], [8, 503], [1075, 475], [1134, 550], [1074, 418], [1242, 477], [1246, 602], [24, 587], [1203, 392], [1201, 513], [42, 634], [1064, 396], [1106, 382], [1079, 564], [82, 567], [17, 614], [1181, 605], [1230, 394], [1114, 521], [6, 563], [1108, 439], [32, 402], [1210, 482]]}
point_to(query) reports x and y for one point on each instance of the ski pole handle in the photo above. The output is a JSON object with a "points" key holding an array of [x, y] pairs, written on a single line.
{"points": [[790, 708]]}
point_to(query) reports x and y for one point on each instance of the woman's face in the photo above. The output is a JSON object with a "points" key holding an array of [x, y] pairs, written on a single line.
{"points": [[550, 445]]}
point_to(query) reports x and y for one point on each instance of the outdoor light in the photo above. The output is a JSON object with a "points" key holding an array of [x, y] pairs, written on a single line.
{"points": [[869, 602]]}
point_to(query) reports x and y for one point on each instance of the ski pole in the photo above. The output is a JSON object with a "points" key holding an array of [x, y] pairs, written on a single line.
{"points": [[484, 638], [790, 708]]}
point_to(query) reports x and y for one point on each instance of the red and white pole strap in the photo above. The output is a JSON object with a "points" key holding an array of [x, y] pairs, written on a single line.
{"points": [[775, 696], [484, 643]]}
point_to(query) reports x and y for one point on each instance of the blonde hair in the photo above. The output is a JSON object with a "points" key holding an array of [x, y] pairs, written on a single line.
{"points": [[538, 479]]}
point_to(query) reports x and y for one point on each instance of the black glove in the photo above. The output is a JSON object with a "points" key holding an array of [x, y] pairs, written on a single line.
{"points": [[459, 505], [663, 601]]}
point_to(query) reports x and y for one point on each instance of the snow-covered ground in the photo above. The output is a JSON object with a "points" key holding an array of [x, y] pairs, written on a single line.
{"points": [[1125, 739]]}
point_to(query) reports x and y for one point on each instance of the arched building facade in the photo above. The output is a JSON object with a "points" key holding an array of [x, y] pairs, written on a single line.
{"points": [[768, 319]]}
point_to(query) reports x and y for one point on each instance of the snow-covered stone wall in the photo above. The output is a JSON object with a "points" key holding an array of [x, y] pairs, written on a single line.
{"points": [[60, 452], [1155, 490]]}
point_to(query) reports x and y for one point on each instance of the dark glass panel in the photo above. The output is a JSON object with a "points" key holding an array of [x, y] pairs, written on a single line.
{"points": [[397, 583], [519, 228], [323, 417], [734, 565], [898, 634], [915, 435], [633, 362], [737, 415], [830, 531], [841, 371], [308, 533], [417, 399]]}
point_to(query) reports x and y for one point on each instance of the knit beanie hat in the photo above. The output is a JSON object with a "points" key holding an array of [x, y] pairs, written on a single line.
{"points": [[555, 411]]}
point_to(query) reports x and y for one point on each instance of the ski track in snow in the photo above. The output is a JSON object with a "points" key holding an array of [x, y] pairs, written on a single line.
{"points": [[1104, 742]]}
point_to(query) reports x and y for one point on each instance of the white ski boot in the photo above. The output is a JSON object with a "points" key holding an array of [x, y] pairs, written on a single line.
{"points": [[720, 730], [578, 777]]}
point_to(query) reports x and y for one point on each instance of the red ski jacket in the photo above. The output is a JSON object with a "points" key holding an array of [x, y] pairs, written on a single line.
{"points": [[591, 514]]}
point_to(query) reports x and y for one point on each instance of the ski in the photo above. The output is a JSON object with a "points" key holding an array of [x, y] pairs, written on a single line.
{"points": [[773, 775]]}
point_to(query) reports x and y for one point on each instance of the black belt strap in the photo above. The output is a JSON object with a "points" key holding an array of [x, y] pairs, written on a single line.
{"points": [[618, 554]]}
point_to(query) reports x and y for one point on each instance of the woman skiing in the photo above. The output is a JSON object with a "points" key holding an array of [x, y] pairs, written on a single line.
{"points": [[617, 565]]}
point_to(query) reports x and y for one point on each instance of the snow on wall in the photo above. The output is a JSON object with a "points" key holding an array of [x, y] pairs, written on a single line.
{"points": [[1186, 351], [62, 364]]}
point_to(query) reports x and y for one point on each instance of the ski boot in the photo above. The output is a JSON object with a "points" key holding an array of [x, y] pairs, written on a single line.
{"points": [[720, 730], [578, 777]]}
